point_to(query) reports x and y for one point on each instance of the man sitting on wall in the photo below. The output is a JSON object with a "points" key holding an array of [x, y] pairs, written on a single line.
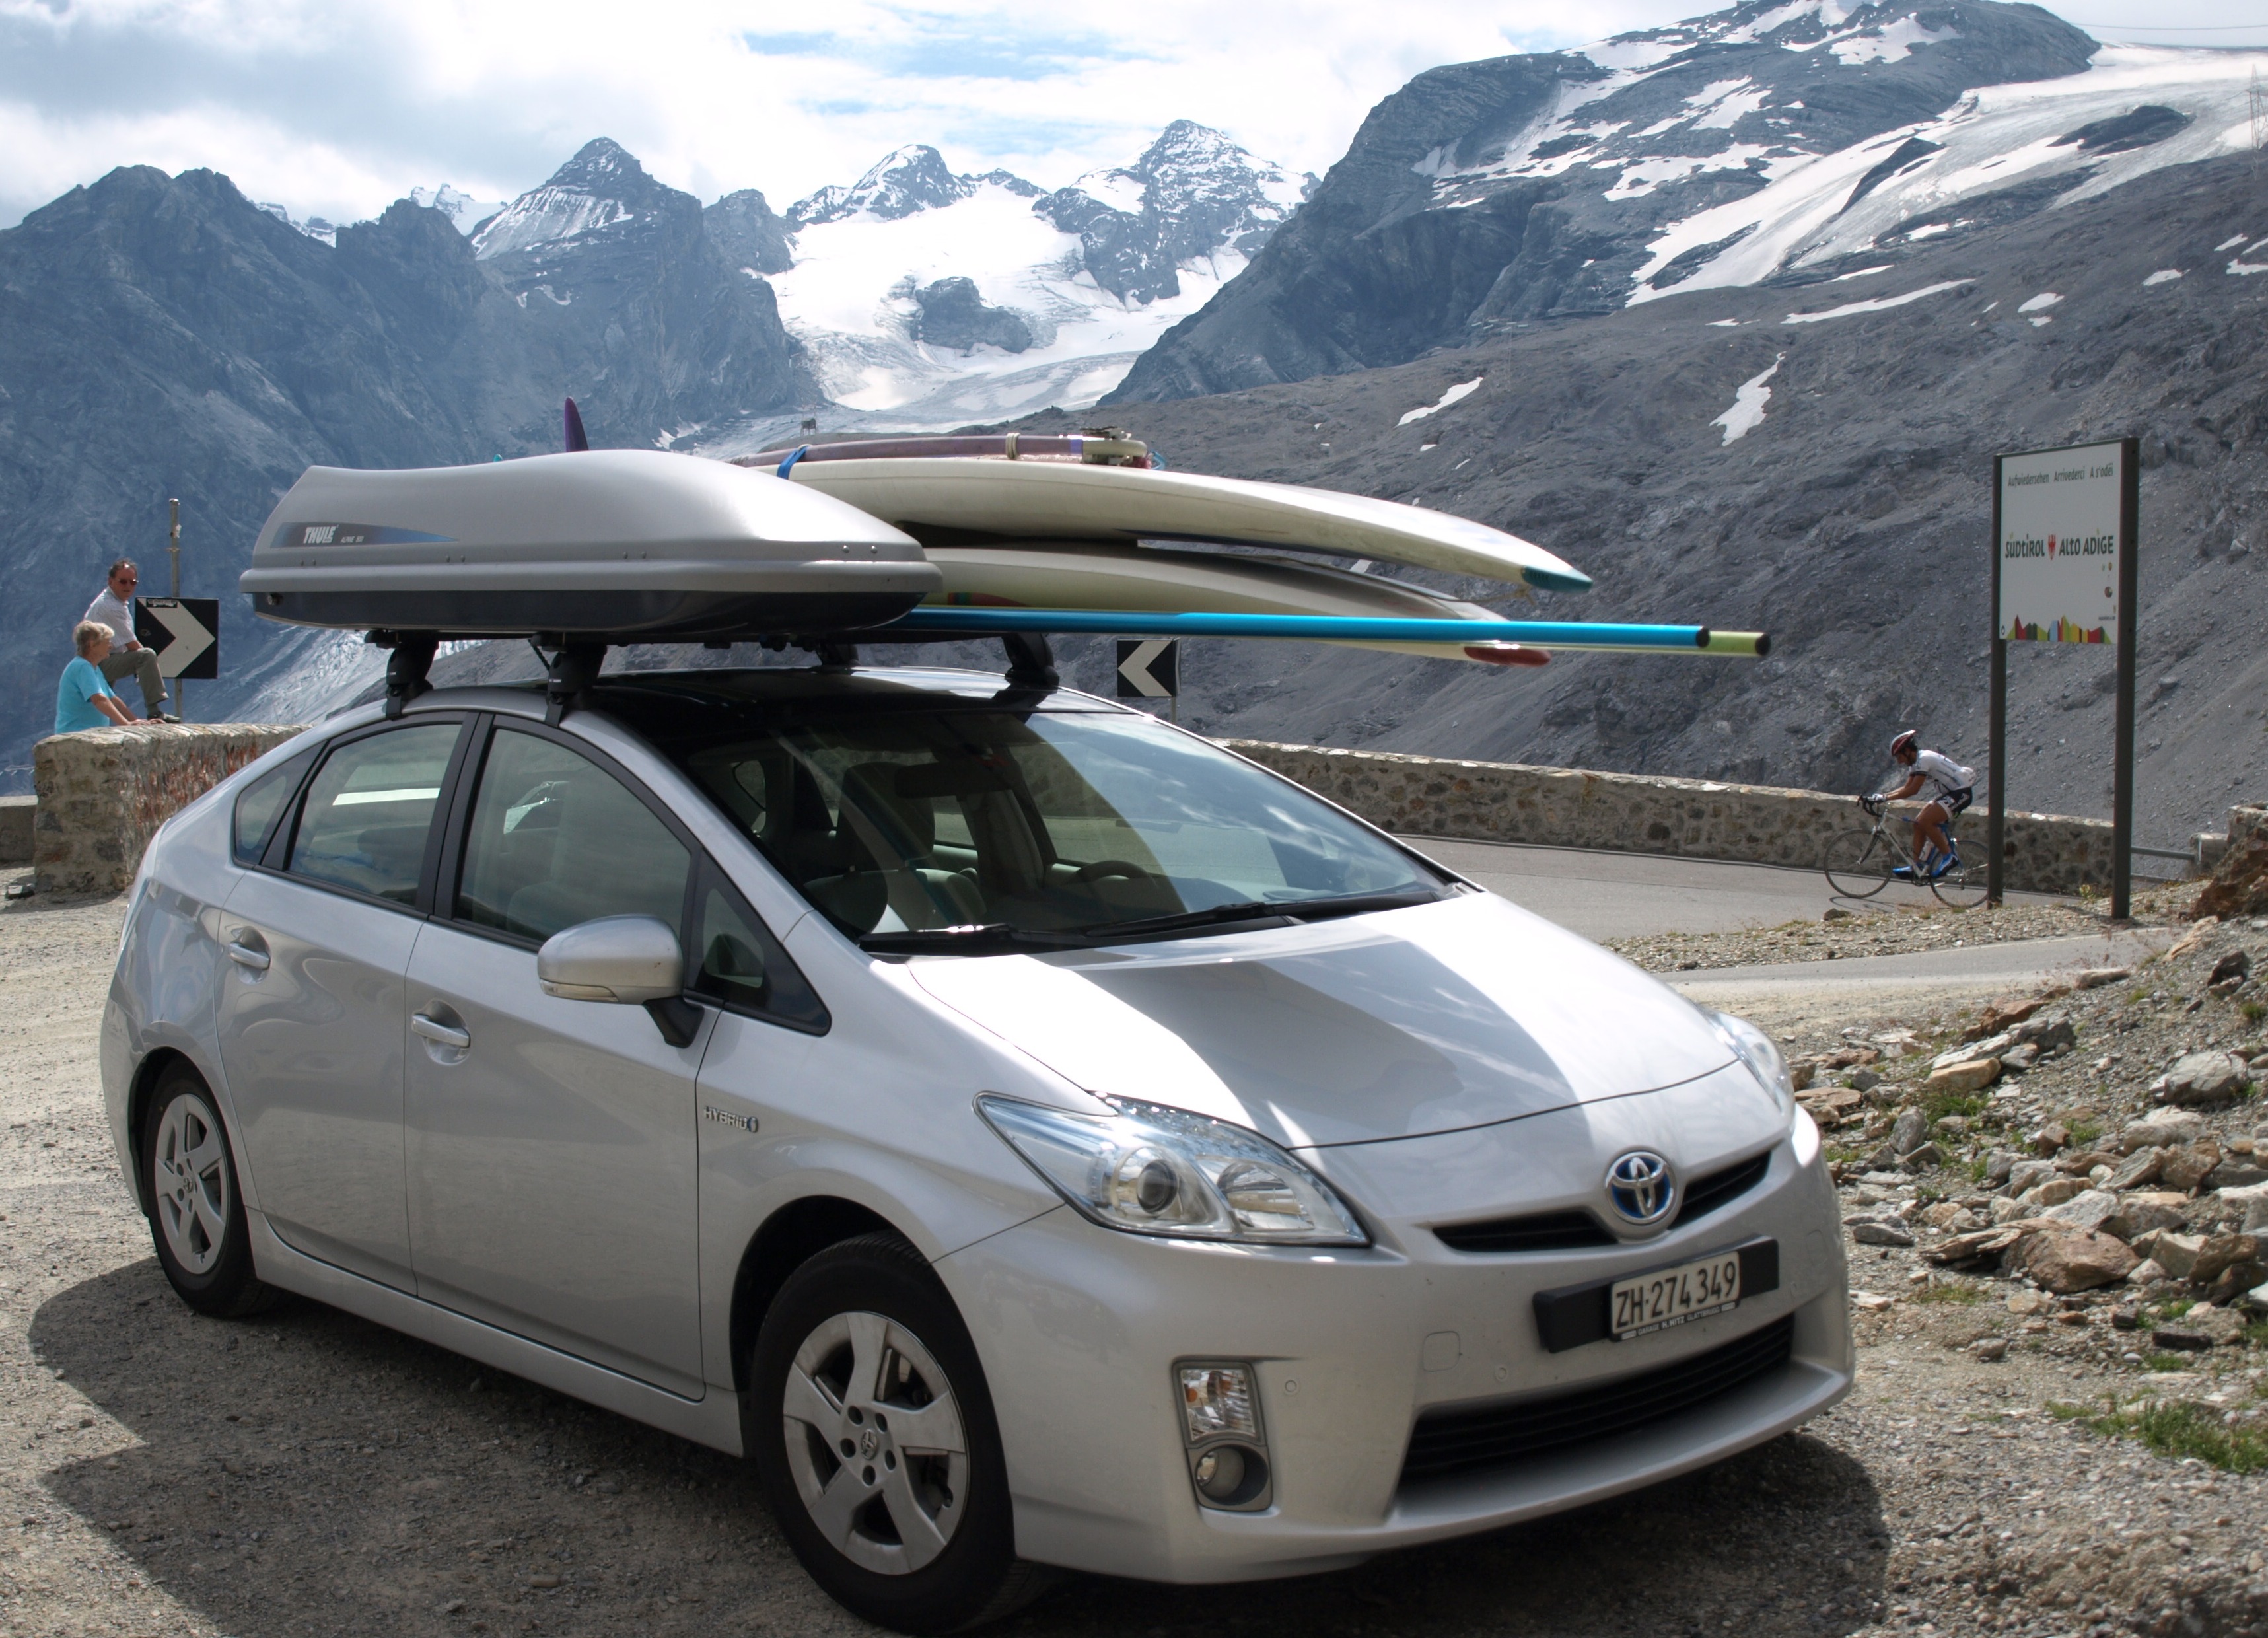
{"points": [[113, 607], [83, 699]]}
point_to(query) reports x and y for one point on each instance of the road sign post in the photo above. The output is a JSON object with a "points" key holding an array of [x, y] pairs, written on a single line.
{"points": [[1150, 668], [173, 550], [2064, 554]]}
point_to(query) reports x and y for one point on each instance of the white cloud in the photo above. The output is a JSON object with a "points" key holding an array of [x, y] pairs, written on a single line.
{"points": [[335, 107]]}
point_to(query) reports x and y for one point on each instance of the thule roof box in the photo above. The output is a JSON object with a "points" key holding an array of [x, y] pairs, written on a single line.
{"points": [[602, 546]]}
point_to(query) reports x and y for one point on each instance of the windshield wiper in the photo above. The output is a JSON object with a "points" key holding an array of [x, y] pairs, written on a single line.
{"points": [[985, 936], [1253, 910]]}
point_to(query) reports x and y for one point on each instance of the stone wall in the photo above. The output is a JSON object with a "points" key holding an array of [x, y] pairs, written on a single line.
{"points": [[1490, 801], [102, 793]]}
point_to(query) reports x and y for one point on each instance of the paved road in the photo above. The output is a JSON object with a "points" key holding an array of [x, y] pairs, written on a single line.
{"points": [[1787, 994], [1617, 896]]}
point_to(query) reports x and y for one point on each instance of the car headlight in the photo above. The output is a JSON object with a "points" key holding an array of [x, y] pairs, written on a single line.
{"points": [[1755, 1048], [1150, 1169]]}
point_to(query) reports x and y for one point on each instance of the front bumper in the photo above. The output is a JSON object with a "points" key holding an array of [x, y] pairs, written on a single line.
{"points": [[1079, 1327]]}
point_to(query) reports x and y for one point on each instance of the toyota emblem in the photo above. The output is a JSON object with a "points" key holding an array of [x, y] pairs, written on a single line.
{"points": [[1639, 1186]]}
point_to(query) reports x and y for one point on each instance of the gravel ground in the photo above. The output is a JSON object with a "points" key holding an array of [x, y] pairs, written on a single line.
{"points": [[1861, 927], [305, 1473]]}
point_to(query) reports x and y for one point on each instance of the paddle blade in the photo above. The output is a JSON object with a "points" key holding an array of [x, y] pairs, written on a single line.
{"points": [[576, 439]]}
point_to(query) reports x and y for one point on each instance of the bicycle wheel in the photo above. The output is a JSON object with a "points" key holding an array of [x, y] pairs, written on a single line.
{"points": [[1858, 863], [1962, 887]]}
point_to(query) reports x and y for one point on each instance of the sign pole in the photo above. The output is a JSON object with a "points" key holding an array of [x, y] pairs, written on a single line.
{"points": [[1996, 789], [2129, 611], [173, 550]]}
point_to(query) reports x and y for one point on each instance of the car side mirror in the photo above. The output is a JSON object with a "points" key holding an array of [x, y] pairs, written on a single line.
{"points": [[627, 959]]}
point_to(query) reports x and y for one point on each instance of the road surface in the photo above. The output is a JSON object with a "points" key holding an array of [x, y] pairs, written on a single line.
{"points": [[1621, 896]]}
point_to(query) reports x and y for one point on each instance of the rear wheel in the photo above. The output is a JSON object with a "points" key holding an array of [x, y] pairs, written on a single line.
{"points": [[197, 1213], [1962, 887], [873, 1432], [1858, 863]]}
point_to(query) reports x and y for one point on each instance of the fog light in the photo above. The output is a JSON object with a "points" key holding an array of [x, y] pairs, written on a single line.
{"points": [[1231, 1476], [1217, 1399], [1220, 1425]]}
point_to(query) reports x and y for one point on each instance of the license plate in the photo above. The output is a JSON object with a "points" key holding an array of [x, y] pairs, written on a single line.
{"points": [[1671, 1296]]}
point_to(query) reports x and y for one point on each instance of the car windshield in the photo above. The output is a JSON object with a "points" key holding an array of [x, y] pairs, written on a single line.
{"points": [[956, 826]]}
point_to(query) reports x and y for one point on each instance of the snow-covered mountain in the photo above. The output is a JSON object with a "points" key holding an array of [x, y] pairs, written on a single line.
{"points": [[601, 186], [1790, 141], [924, 297], [458, 206]]}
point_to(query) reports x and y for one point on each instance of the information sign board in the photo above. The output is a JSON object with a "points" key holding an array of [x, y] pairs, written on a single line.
{"points": [[2064, 570], [2062, 535]]}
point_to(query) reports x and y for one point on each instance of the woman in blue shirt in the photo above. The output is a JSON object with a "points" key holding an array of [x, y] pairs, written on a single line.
{"points": [[83, 700]]}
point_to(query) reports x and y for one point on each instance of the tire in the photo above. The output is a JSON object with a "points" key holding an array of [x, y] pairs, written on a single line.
{"points": [[862, 1348], [1859, 862], [1962, 887], [196, 1211]]}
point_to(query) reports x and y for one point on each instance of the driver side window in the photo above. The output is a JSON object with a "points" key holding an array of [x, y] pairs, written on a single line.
{"points": [[556, 840]]}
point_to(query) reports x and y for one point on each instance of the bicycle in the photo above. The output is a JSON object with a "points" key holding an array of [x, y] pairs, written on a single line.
{"points": [[1859, 864]]}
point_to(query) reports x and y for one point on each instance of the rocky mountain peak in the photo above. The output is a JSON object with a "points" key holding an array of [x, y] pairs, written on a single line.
{"points": [[1192, 194], [602, 186], [744, 228], [906, 180]]}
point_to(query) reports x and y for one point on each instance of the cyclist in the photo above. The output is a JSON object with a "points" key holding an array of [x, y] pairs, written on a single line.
{"points": [[1949, 786]]}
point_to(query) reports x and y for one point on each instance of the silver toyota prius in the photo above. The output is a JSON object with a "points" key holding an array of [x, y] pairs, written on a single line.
{"points": [[1032, 1133]]}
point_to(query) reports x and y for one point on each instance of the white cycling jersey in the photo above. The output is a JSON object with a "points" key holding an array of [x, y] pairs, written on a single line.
{"points": [[1941, 775]]}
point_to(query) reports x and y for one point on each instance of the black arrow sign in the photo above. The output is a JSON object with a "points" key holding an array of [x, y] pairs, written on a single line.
{"points": [[184, 632], [1149, 668]]}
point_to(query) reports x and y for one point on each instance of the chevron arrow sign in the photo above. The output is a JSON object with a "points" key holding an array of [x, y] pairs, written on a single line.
{"points": [[184, 632], [1149, 668]]}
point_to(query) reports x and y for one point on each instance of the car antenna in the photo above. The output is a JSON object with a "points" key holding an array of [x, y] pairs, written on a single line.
{"points": [[578, 441]]}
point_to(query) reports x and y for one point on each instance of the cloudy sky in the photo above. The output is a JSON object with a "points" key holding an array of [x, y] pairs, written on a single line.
{"points": [[334, 107]]}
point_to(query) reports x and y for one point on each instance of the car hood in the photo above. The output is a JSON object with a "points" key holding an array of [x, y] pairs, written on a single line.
{"points": [[1389, 1025]]}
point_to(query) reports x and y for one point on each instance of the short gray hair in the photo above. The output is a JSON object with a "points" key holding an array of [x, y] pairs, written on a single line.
{"points": [[87, 633]]}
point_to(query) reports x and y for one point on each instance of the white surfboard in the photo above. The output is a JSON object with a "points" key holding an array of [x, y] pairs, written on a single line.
{"points": [[1045, 574], [979, 499]]}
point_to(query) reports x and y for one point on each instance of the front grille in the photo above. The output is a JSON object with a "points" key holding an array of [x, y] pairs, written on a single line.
{"points": [[1718, 1187], [1450, 1440], [1546, 1231], [1577, 1230]]}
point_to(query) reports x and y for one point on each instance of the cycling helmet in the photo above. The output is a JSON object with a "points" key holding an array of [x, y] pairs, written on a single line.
{"points": [[1906, 741]]}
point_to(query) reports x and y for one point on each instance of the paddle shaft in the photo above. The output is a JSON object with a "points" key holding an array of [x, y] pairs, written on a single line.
{"points": [[1569, 634]]}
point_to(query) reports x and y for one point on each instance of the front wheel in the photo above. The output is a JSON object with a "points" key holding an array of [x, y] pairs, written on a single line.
{"points": [[196, 1213], [873, 1435], [1858, 863]]}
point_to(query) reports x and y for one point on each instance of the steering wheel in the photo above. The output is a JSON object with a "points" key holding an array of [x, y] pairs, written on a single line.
{"points": [[1101, 867]]}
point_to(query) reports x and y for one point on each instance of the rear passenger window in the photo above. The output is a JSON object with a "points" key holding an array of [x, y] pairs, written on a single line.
{"points": [[369, 810], [738, 963], [260, 803], [558, 840]]}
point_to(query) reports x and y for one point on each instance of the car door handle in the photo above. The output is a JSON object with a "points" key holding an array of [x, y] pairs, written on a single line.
{"points": [[246, 954], [440, 1033]]}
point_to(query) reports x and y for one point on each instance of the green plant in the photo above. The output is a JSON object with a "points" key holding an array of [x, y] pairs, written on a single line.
{"points": [[2175, 1308], [2166, 1361], [2083, 1133], [2182, 1429], [1966, 1104], [2256, 1336], [2253, 1011], [1963, 1294]]}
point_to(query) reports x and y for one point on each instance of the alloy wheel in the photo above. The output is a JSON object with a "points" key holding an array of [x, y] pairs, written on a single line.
{"points": [[190, 1180], [875, 1442]]}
